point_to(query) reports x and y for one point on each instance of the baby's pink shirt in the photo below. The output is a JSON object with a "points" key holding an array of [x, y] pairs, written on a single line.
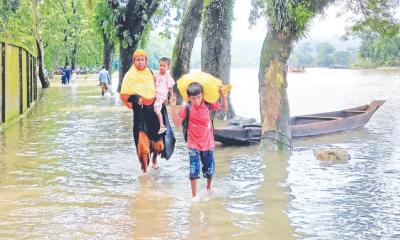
{"points": [[163, 84]]}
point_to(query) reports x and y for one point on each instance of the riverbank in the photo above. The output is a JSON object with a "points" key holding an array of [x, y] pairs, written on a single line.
{"points": [[375, 68]]}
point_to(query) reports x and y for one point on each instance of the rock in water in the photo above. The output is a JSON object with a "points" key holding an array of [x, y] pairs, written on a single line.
{"points": [[331, 154]]}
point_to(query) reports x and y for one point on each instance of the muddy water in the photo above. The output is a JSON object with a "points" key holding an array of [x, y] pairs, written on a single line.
{"points": [[357, 199], [68, 171]]}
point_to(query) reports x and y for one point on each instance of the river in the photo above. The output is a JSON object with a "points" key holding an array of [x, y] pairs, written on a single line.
{"points": [[68, 171]]}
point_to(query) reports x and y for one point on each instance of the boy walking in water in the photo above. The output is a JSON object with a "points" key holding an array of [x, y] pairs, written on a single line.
{"points": [[200, 136], [164, 84]]}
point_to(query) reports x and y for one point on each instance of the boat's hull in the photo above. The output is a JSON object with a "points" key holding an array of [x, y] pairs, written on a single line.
{"points": [[304, 126]]}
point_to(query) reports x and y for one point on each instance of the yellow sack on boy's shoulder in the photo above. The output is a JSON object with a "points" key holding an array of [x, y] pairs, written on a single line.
{"points": [[210, 84]]}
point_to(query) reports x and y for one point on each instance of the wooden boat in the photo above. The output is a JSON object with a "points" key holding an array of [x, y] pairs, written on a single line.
{"points": [[296, 69], [304, 125], [338, 66]]}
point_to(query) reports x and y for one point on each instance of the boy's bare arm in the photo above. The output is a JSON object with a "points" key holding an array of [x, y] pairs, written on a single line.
{"points": [[224, 100], [175, 116]]}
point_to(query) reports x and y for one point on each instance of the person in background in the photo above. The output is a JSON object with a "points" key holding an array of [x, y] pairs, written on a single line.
{"points": [[63, 79], [105, 80], [67, 72], [46, 74], [74, 76]]}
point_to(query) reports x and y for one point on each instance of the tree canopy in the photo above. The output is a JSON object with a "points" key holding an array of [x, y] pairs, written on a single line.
{"points": [[17, 23]]}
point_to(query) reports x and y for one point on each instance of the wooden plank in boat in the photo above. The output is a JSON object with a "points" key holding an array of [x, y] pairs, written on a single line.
{"points": [[321, 117], [354, 111]]}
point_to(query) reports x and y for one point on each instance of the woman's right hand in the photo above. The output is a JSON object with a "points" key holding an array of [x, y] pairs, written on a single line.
{"points": [[140, 102]]}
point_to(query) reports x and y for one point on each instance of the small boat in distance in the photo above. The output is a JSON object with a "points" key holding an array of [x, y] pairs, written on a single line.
{"points": [[304, 125], [338, 66], [292, 69]]}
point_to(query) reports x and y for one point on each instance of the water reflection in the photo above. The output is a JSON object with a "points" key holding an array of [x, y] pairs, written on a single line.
{"points": [[274, 195], [150, 211]]}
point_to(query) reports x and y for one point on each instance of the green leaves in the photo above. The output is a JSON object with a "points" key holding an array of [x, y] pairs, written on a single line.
{"points": [[379, 49], [302, 16], [104, 19], [69, 26], [290, 17], [17, 23]]}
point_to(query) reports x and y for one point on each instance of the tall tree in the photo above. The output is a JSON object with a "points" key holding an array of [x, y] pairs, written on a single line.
{"points": [[287, 22], [21, 22], [132, 18], [380, 50], [216, 42], [184, 41], [72, 11], [17, 23], [105, 19], [53, 28], [39, 44]]}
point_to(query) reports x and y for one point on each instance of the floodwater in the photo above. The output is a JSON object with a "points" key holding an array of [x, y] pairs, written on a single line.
{"points": [[68, 170]]}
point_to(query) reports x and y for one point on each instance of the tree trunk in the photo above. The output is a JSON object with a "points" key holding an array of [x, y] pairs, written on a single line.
{"points": [[73, 55], [39, 45], [108, 53], [216, 44], [56, 63], [188, 30], [274, 104], [125, 60], [66, 62], [131, 24], [40, 60]]}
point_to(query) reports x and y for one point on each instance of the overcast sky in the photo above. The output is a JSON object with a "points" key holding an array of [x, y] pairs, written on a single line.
{"points": [[322, 27]]}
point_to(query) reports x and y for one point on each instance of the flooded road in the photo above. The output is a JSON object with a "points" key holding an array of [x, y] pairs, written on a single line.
{"points": [[68, 170]]}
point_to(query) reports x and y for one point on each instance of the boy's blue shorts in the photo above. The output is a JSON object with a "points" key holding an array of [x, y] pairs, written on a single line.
{"points": [[207, 160]]}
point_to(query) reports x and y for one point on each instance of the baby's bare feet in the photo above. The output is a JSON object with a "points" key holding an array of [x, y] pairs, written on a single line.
{"points": [[162, 129]]}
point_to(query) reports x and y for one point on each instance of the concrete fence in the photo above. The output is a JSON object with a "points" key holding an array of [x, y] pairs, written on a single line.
{"points": [[18, 81]]}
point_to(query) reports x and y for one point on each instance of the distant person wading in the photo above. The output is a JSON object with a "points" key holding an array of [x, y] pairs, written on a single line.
{"points": [[105, 80]]}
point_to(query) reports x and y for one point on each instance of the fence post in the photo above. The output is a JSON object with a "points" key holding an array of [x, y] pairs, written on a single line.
{"points": [[3, 82], [21, 97]]}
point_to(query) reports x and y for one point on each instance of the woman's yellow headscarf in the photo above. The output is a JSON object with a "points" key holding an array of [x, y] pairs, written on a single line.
{"points": [[139, 53], [138, 82]]}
